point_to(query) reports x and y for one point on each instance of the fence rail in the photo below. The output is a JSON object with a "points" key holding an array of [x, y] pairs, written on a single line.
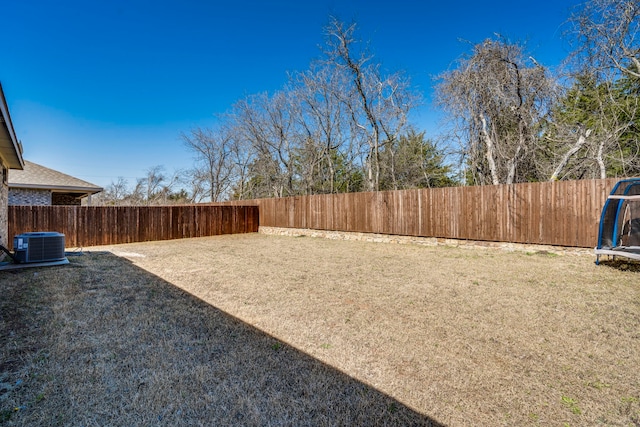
{"points": [[91, 226], [563, 213]]}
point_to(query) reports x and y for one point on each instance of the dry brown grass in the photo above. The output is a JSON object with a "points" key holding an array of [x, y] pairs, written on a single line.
{"points": [[328, 330], [102, 342]]}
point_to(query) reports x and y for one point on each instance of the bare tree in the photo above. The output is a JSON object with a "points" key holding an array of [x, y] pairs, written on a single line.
{"points": [[606, 34], [215, 169], [323, 128], [377, 105], [496, 99], [321, 133], [168, 192], [267, 125], [595, 122], [151, 184], [113, 194], [155, 188], [593, 130], [241, 156]]}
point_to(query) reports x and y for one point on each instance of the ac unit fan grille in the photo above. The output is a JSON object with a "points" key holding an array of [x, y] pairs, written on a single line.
{"points": [[39, 247]]}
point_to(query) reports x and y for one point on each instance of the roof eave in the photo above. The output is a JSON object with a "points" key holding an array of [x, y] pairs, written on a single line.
{"points": [[11, 154]]}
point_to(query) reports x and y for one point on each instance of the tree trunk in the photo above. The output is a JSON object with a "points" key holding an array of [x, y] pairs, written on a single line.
{"points": [[600, 160], [513, 162], [490, 153], [582, 139]]}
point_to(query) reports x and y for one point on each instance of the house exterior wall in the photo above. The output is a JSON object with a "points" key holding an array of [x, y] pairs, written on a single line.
{"points": [[29, 197], [4, 214]]}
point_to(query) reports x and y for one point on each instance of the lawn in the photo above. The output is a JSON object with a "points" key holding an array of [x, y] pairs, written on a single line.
{"points": [[270, 330]]}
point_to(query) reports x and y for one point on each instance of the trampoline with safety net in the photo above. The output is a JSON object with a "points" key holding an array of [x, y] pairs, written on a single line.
{"points": [[619, 233]]}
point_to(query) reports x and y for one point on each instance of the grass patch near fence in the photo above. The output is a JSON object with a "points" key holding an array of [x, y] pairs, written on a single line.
{"points": [[270, 330]]}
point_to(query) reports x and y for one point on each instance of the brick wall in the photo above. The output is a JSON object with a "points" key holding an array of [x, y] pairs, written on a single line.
{"points": [[29, 197]]}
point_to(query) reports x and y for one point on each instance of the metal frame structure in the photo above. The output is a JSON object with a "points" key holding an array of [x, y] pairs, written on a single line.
{"points": [[619, 231]]}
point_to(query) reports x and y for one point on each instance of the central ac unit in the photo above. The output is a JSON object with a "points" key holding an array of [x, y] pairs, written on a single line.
{"points": [[39, 247]]}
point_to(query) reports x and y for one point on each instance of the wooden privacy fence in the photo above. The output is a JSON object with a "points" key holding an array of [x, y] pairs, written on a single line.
{"points": [[106, 225], [564, 213]]}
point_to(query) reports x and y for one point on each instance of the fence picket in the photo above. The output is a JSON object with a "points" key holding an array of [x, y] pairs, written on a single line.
{"points": [[107, 225], [563, 213]]}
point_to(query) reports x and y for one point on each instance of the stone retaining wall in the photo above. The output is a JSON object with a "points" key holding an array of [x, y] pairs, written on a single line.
{"points": [[427, 241]]}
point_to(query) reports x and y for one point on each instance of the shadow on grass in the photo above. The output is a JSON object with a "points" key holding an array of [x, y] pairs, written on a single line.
{"points": [[622, 264], [101, 341]]}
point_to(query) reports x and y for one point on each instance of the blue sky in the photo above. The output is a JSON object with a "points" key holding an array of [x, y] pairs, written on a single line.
{"points": [[102, 89]]}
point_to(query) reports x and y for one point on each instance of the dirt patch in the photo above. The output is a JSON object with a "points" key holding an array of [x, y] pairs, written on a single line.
{"points": [[460, 336]]}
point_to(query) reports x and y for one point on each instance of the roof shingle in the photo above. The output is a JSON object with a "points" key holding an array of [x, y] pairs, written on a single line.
{"points": [[37, 176]]}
